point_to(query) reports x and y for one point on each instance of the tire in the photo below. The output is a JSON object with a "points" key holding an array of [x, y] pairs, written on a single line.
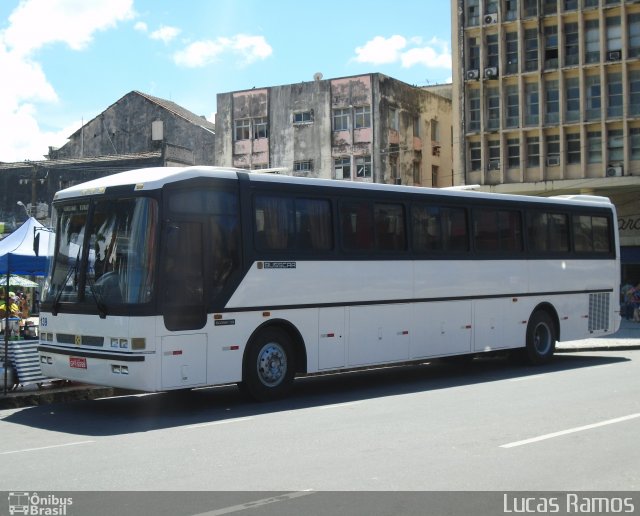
{"points": [[268, 368], [541, 339]]}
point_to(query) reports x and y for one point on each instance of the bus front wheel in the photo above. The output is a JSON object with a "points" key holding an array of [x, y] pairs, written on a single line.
{"points": [[541, 338], [268, 366]]}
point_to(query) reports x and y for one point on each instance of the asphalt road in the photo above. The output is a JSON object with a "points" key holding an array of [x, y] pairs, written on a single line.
{"points": [[573, 425]]}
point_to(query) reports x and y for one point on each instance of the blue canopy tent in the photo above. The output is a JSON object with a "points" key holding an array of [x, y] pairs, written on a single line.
{"points": [[17, 256], [16, 251]]}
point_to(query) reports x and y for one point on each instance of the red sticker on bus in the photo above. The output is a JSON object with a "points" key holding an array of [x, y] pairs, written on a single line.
{"points": [[78, 362]]}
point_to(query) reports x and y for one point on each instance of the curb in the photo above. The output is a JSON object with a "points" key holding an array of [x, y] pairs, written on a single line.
{"points": [[630, 347], [17, 399]]}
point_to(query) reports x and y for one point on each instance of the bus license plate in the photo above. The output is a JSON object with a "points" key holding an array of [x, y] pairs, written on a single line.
{"points": [[78, 362]]}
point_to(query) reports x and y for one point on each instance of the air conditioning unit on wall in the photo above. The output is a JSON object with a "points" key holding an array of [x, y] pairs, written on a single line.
{"points": [[491, 72], [614, 171], [490, 19], [473, 75]]}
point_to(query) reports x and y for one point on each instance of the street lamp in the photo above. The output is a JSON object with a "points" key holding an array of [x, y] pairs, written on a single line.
{"points": [[26, 210]]}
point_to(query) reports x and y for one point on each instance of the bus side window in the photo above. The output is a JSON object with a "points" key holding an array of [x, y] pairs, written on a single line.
{"points": [[357, 226]]}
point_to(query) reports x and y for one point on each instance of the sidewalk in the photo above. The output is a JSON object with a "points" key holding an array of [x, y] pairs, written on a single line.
{"points": [[627, 337]]}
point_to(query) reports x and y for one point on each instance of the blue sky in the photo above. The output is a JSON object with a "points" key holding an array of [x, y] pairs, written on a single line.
{"points": [[65, 61]]}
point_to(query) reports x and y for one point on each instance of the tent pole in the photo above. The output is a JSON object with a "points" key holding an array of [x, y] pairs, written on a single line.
{"points": [[6, 333]]}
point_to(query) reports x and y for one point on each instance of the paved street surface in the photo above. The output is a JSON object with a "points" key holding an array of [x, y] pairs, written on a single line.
{"points": [[488, 426]]}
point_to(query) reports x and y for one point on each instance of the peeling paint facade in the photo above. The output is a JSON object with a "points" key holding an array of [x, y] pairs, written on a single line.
{"points": [[368, 128]]}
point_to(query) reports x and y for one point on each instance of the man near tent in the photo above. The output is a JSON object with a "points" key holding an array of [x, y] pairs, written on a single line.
{"points": [[14, 309]]}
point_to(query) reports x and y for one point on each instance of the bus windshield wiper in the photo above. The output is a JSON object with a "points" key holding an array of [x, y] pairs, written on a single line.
{"points": [[97, 297], [56, 301]]}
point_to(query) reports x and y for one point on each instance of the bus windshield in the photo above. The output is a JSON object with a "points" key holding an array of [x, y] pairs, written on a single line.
{"points": [[105, 252]]}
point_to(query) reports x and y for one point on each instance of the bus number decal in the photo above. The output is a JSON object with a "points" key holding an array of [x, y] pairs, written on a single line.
{"points": [[279, 265]]}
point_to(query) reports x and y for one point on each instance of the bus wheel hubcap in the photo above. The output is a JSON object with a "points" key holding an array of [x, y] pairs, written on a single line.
{"points": [[272, 364], [542, 339]]}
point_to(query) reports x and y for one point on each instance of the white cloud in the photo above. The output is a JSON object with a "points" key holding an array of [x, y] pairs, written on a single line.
{"points": [[381, 50], [409, 53], [33, 25], [141, 26], [202, 53], [165, 33]]}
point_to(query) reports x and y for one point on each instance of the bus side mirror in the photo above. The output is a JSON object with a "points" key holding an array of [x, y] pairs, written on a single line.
{"points": [[36, 244]]}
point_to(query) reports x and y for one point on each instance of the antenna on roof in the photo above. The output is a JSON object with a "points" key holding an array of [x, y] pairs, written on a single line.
{"points": [[317, 76]]}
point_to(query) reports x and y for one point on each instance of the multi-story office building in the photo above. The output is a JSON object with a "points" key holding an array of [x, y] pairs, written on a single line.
{"points": [[547, 95], [362, 128]]}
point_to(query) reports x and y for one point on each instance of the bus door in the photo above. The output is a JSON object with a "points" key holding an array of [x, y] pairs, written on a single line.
{"points": [[184, 349]]}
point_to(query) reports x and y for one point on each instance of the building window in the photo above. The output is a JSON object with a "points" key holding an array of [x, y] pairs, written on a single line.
{"points": [[634, 35], [549, 6], [435, 130], [570, 5], [474, 110], [513, 152], [533, 151], [513, 119], [475, 155], [634, 143], [615, 145], [594, 100], [394, 122], [552, 102], [572, 94], [303, 117], [340, 119], [473, 51], [594, 147], [493, 147], [260, 128], [512, 52], [511, 10], [493, 55], [551, 47], [573, 148], [530, 8], [592, 41], [493, 109], [591, 3], [614, 95], [362, 116], [417, 173], [530, 50], [303, 165], [342, 167], [434, 175], [614, 34], [242, 129], [532, 104], [363, 167], [553, 150], [571, 44], [473, 12], [634, 93], [416, 126]]}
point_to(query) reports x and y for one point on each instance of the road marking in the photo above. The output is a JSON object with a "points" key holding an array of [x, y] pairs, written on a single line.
{"points": [[340, 405], [570, 431], [46, 447], [225, 422], [257, 503]]}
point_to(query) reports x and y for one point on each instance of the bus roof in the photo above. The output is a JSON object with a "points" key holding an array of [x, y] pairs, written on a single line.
{"points": [[156, 177]]}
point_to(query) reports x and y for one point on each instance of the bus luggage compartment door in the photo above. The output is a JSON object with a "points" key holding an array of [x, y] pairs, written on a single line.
{"points": [[184, 361]]}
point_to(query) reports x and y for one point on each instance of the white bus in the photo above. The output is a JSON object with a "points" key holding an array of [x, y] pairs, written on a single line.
{"points": [[177, 278]]}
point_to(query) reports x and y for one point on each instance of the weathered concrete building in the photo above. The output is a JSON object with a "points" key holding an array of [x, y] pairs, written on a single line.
{"points": [[362, 128], [142, 123], [137, 131], [547, 102]]}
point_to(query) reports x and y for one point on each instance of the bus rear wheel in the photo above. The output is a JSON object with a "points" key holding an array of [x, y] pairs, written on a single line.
{"points": [[269, 367], [541, 338]]}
